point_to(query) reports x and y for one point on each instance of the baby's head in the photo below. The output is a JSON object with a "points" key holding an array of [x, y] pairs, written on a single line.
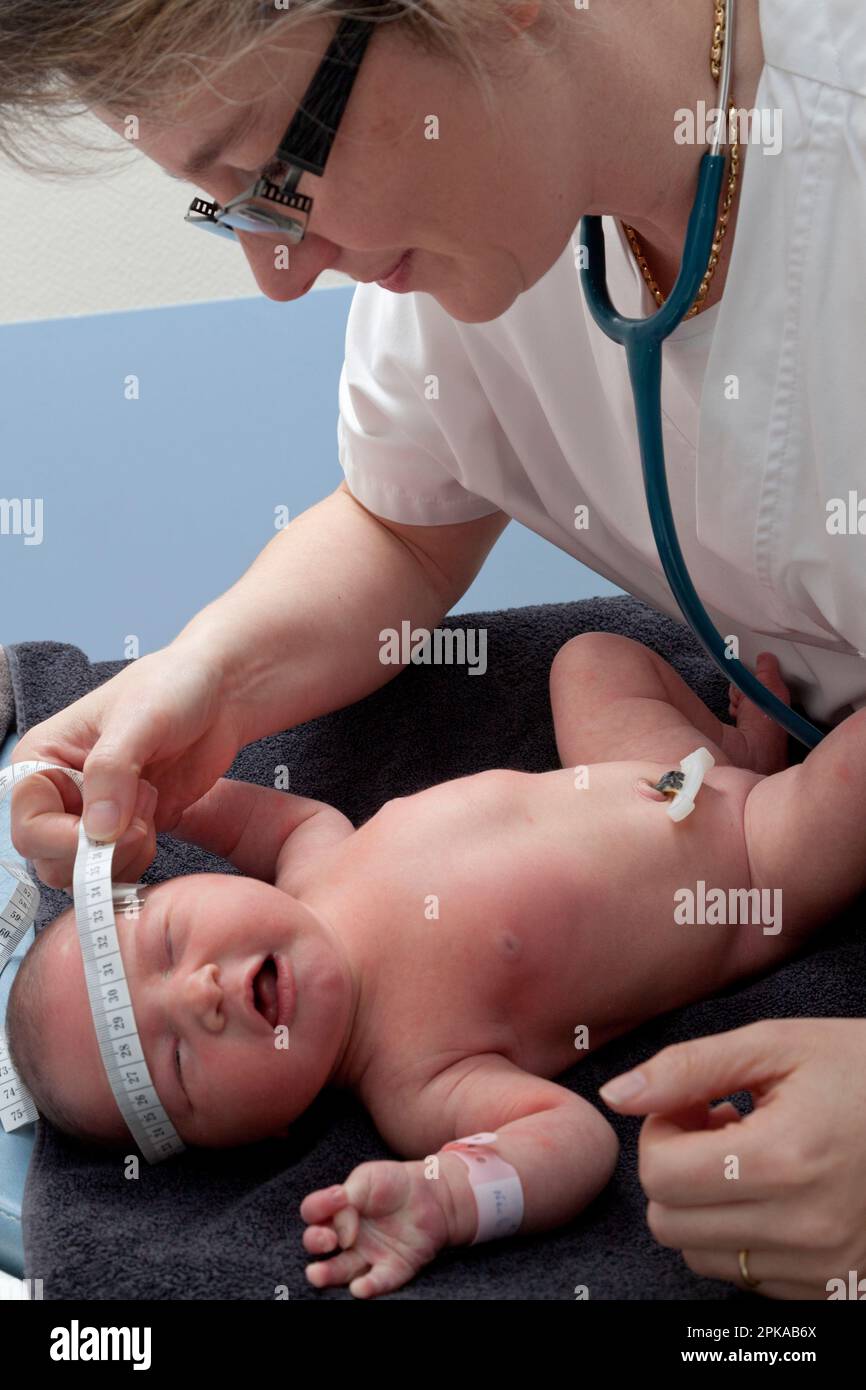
{"points": [[244, 988]]}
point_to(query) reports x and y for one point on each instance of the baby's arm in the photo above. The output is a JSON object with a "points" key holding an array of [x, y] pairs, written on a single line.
{"points": [[265, 833], [391, 1218], [805, 829]]}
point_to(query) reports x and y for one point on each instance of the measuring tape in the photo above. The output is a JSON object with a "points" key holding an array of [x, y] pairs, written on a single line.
{"points": [[107, 987]]}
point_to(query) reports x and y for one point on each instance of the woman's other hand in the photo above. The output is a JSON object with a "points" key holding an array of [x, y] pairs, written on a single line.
{"points": [[785, 1182]]}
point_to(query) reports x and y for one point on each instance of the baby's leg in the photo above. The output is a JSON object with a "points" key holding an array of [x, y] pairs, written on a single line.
{"points": [[615, 700]]}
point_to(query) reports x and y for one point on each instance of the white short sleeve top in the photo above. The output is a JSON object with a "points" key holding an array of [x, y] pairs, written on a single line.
{"points": [[763, 395]]}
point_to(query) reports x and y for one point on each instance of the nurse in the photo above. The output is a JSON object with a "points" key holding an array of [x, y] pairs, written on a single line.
{"points": [[474, 135]]}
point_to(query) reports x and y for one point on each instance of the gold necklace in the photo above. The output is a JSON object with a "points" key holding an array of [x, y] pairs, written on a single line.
{"points": [[720, 13]]}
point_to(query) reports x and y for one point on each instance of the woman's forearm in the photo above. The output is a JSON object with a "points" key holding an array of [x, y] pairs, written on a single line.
{"points": [[298, 635]]}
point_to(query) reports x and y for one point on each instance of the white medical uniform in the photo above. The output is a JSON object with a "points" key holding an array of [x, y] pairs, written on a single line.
{"points": [[535, 416]]}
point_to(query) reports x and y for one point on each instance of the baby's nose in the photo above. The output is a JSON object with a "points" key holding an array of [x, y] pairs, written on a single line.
{"points": [[204, 995]]}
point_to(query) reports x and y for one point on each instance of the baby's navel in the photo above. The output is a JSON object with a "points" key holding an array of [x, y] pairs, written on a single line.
{"points": [[647, 789], [510, 945]]}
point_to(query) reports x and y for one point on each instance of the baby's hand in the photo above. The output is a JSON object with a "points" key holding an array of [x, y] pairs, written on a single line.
{"points": [[387, 1220]]}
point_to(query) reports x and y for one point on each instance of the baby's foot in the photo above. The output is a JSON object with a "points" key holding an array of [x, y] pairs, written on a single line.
{"points": [[764, 743]]}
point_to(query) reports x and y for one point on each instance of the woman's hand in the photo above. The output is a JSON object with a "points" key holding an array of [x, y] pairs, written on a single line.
{"points": [[385, 1220], [785, 1183], [164, 720]]}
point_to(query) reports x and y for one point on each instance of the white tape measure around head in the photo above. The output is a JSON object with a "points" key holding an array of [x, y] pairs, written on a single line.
{"points": [[107, 987]]}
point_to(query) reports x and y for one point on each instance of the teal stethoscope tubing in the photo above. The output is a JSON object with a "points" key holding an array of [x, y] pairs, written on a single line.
{"points": [[642, 340]]}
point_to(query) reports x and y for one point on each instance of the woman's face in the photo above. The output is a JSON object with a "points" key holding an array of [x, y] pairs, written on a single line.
{"points": [[466, 202]]}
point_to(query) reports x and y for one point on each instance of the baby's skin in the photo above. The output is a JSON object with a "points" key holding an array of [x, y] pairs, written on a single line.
{"points": [[464, 946]]}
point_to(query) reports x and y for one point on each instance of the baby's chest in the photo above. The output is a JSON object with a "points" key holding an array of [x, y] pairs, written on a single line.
{"points": [[478, 974]]}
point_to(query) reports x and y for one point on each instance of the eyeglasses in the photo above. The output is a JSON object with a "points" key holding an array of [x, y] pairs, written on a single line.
{"points": [[305, 146]]}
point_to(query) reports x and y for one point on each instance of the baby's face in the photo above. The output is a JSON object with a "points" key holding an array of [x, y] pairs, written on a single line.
{"points": [[194, 958]]}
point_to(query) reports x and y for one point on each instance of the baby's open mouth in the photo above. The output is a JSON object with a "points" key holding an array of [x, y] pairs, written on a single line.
{"points": [[265, 991]]}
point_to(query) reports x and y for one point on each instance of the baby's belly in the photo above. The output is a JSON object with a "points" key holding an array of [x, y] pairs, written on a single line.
{"points": [[580, 904]]}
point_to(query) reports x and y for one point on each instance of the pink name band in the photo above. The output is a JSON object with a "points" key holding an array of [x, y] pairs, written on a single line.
{"points": [[495, 1185]]}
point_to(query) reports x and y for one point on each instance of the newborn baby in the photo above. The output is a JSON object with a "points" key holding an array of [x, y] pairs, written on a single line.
{"points": [[463, 946]]}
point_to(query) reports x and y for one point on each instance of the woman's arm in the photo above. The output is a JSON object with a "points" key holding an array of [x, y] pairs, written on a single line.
{"points": [[295, 637], [298, 635]]}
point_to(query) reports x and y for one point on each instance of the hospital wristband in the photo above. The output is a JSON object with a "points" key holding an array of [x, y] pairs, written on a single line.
{"points": [[495, 1184]]}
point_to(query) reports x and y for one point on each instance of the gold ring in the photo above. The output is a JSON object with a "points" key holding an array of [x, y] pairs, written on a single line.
{"points": [[743, 1258]]}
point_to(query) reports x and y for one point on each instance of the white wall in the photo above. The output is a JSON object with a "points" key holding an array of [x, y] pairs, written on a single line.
{"points": [[114, 241]]}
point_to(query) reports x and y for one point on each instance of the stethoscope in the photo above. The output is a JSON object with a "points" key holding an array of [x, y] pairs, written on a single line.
{"points": [[642, 340]]}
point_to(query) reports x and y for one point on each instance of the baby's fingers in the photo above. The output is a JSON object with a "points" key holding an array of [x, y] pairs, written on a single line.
{"points": [[339, 1270], [321, 1205], [383, 1277], [319, 1240], [346, 1224]]}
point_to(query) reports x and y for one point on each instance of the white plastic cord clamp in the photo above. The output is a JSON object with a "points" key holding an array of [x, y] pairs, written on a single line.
{"points": [[694, 766]]}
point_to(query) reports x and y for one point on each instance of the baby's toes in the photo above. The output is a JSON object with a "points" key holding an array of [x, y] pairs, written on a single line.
{"points": [[766, 740], [769, 673]]}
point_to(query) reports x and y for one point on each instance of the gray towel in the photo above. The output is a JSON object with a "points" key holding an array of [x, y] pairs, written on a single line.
{"points": [[225, 1224]]}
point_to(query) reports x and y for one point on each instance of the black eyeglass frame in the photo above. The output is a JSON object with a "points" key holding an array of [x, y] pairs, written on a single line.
{"points": [[305, 146]]}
